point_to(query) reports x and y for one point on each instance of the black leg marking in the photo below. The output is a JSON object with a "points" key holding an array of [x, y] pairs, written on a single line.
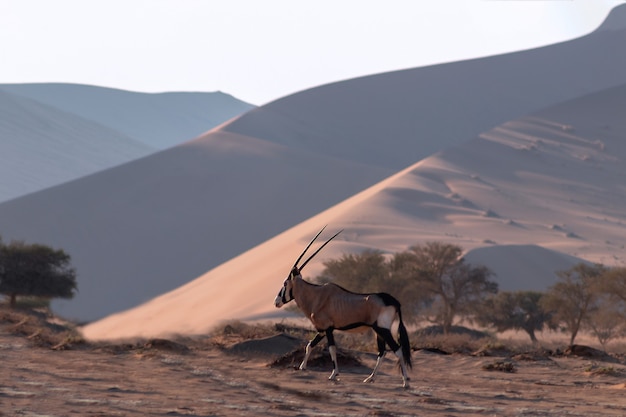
{"points": [[330, 337], [307, 351], [381, 345], [381, 354], [318, 338], [385, 334]]}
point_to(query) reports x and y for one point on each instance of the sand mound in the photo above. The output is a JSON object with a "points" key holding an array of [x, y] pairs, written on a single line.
{"points": [[587, 352], [166, 345], [277, 345]]}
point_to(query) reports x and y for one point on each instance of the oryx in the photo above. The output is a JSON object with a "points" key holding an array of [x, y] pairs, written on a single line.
{"points": [[331, 307]]}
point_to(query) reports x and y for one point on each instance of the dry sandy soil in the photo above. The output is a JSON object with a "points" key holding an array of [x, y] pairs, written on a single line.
{"points": [[227, 376]]}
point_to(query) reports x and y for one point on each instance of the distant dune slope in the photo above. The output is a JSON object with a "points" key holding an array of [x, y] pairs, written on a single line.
{"points": [[150, 226], [159, 120], [528, 198], [54, 133], [41, 146]]}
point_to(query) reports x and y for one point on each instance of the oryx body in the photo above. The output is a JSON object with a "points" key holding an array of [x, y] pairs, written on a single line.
{"points": [[331, 307]]}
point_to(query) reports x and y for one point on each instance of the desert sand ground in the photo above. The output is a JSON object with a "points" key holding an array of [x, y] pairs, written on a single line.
{"points": [[228, 376]]}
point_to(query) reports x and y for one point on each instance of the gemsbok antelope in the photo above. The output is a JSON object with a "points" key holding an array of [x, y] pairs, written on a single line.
{"points": [[331, 307]]}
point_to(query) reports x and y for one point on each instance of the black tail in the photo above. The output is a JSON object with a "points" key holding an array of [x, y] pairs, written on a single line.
{"points": [[402, 333], [404, 341]]}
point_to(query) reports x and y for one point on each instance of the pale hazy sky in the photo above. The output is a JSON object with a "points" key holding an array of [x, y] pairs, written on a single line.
{"points": [[260, 50]]}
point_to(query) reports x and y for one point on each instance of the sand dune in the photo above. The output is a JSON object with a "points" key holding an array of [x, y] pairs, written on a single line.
{"points": [[395, 119], [527, 198]]}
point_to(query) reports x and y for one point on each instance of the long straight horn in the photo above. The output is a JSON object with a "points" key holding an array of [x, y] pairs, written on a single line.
{"points": [[308, 246], [319, 249]]}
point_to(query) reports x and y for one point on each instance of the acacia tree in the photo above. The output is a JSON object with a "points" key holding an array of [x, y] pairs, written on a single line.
{"points": [[614, 282], [608, 321], [35, 270], [364, 272], [574, 297], [519, 310], [403, 272], [455, 285]]}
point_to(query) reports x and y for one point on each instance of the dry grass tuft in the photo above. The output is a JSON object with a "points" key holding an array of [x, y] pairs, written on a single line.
{"points": [[243, 330], [493, 347], [598, 370], [167, 346], [451, 343], [39, 327], [146, 348], [534, 356], [502, 366]]}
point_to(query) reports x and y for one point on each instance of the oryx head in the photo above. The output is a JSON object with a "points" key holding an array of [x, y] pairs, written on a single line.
{"points": [[286, 292]]}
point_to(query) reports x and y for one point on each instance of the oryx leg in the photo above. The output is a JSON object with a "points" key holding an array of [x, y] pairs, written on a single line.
{"points": [[395, 348], [381, 354], [332, 349], [307, 351]]}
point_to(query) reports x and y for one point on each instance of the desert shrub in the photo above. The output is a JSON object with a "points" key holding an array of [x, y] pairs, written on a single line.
{"points": [[244, 330], [450, 343], [454, 330], [459, 340]]}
